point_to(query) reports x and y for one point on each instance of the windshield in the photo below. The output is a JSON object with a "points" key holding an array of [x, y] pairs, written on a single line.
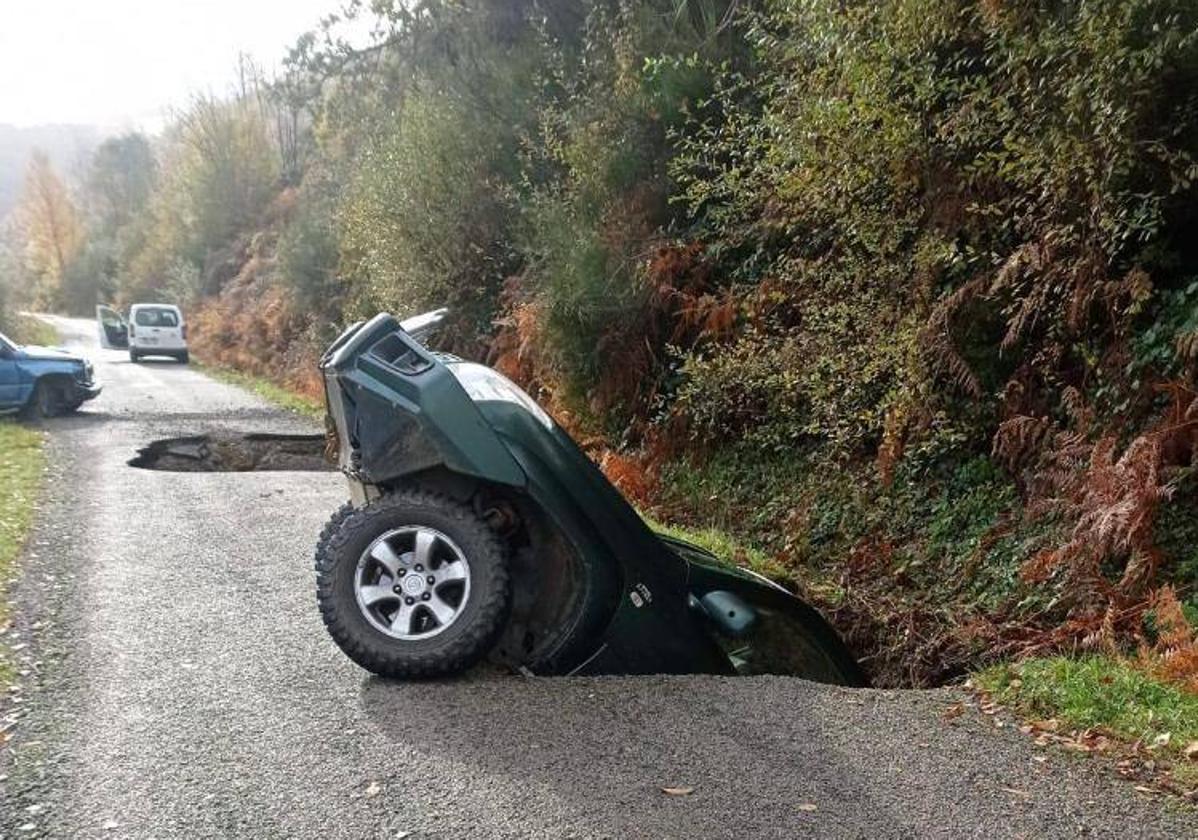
{"points": [[156, 317], [5, 344]]}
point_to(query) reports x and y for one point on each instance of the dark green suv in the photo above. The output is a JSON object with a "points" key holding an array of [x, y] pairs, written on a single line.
{"points": [[476, 527]]}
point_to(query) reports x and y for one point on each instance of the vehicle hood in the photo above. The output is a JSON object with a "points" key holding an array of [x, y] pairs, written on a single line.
{"points": [[49, 354]]}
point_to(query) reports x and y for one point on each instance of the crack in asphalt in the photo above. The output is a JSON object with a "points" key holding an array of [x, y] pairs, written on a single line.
{"points": [[178, 683]]}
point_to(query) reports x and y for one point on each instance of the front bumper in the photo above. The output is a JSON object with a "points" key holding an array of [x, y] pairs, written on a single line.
{"points": [[85, 391]]}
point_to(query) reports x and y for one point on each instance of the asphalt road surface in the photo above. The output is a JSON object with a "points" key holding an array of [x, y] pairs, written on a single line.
{"points": [[178, 684]]}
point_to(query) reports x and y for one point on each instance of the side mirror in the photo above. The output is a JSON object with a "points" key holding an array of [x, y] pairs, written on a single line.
{"points": [[727, 611]]}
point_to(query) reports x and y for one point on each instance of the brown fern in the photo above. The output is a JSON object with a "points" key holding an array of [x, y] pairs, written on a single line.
{"points": [[1106, 568], [1174, 656], [938, 339]]}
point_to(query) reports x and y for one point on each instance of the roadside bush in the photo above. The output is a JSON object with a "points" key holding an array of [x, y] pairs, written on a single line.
{"points": [[308, 254], [610, 282], [951, 194], [750, 390], [425, 221]]}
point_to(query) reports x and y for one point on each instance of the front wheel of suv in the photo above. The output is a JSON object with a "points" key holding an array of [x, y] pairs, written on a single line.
{"points": [[45, 401], [413, 584]]}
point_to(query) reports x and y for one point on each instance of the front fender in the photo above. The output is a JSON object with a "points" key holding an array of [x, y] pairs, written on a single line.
{"points": [[639, 585], [29, 371]]}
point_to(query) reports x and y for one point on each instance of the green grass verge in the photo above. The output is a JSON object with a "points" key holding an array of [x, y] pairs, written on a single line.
{"points": [[1096, 691], [24, 329], [266, 389], [724, 547], [21, 463]]}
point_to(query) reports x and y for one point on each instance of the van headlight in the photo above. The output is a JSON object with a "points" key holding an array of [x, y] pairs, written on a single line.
{"points": [[486, 385]]}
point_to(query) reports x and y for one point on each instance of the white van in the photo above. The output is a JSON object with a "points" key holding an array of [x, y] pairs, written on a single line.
{"points": [[156, 329]]}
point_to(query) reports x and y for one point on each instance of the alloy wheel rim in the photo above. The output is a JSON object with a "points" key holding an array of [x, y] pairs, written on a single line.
{"points": [[412, 583]]}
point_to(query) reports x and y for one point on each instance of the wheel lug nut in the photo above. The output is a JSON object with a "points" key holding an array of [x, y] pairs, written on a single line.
{"points": [[431, 580], [409, 601], [397, 589], [424, 597], [419, 568]]}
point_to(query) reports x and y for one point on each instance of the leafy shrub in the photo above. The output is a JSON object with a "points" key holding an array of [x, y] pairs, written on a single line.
{"points": [[950, 194], [425, 221], [1167, 346], [308, 252], [750, 390]]}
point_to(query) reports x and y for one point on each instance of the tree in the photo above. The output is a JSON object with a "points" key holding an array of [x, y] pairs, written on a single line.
{"points": [[119, 181], [226, 169], [53, 230]]}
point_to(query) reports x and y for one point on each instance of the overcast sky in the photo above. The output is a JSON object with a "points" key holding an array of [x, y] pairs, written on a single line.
{"points": [[123, 63]]}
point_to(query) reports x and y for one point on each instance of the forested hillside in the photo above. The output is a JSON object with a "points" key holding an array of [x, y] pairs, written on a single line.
{"points": [[903, 295]]}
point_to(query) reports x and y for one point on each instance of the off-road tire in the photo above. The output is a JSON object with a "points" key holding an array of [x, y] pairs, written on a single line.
{"points": [[330, 528], [183, 358], [45, 401], [473, 633], [134, 356]]}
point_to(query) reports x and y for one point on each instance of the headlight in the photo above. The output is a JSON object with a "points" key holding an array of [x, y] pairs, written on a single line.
{"points": [[486, 385]]}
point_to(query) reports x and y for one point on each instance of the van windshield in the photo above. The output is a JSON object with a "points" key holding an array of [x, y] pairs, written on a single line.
{"points": [[156, 317]]}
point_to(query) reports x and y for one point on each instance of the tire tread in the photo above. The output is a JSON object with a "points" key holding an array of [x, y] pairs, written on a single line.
{"points": [[372, 650]]}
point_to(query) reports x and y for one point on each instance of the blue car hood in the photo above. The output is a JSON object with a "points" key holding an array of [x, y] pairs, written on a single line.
{"points": [[49, 354]]}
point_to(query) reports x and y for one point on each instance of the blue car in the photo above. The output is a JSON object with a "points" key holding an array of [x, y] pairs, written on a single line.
{"points": [[43, 382]]}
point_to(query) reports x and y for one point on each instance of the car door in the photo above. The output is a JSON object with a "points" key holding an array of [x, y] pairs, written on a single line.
{"points": [[114, 331], [170, 330], [10, 378]]}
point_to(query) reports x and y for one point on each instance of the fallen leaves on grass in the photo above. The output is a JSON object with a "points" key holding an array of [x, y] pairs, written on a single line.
{"points": [[1138, 762]]}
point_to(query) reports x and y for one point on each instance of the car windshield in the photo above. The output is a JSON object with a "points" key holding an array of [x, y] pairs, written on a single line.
{"points": [[156, 317], [5, 344]]}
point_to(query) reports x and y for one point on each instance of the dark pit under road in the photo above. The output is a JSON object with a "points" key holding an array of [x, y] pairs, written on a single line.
{"points": [[225, 451]]}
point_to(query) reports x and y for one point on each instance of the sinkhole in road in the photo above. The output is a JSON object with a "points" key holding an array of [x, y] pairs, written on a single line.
{"points": [[235, 452]]}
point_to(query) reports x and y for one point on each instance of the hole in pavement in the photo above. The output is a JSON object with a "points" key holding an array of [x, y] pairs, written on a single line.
{"points": [[233, 452]]}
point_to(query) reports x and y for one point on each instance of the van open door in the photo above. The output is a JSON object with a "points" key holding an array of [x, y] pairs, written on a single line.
{"points": [[114, 331]]}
